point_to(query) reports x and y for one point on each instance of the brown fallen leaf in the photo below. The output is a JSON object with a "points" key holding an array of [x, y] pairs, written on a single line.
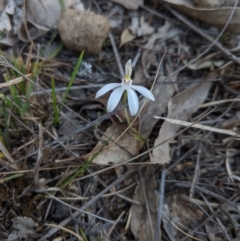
{"points": [[180, 107], [125, 148], [126, 37], [217, 16], [144, 227], [128, 146]]}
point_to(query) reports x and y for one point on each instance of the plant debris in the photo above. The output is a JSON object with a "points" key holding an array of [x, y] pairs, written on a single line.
{"points": [[70, 170]]}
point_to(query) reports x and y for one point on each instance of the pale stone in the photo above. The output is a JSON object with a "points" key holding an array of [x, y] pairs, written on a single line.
{"points": [[83, 30]]}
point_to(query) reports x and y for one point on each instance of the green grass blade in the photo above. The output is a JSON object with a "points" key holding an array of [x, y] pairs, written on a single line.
{"points": [[56, 51], [73, 76], [5, 135], [56, 112], [14, 94], [26, 103], [81, 169]]}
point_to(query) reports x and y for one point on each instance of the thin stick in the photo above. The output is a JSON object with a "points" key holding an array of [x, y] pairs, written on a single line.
{"points": [[115, 51]]}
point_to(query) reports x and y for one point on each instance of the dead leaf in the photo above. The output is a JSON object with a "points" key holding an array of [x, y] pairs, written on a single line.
{"points": [[180, 107], [125, 148], [162, 95], [129, 4], [136, 29], [28, 31], [128, 146], [217, 16], [126, 37], [144, 227], [46, 13]]}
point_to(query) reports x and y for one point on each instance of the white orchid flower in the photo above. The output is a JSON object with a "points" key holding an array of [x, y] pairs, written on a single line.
{"points": [[119, 88]]}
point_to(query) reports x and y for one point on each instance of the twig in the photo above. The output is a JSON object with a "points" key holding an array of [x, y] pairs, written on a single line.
{"points": [[196, 172], [116, 54]]}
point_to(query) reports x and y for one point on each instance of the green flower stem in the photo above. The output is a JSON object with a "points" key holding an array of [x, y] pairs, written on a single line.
{"points": [[136, 134]]}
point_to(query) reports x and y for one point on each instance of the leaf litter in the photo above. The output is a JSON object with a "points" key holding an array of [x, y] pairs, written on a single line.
{"points": [[180, 107], [90, 163]]}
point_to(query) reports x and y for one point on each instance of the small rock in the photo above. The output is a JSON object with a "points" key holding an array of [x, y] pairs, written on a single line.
{"points": [[81, 30]]}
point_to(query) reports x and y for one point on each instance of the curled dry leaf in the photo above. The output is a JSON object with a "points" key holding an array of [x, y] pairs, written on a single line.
{"points": [[128, 146], [180, 107], [41, 16], [130, 4], [217, 15], [28, 31]]}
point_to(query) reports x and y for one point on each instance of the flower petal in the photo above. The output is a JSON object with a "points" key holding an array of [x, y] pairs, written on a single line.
{"points": [[114, 99], [106, 88], [144, 91], [132, 102], [128, 70]]}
